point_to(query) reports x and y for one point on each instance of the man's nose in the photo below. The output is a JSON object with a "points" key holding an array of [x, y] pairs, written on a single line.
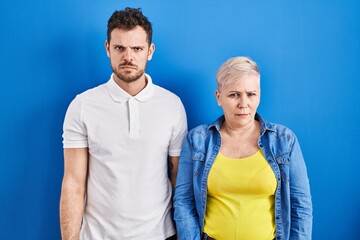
{"points": [[128, 55]]}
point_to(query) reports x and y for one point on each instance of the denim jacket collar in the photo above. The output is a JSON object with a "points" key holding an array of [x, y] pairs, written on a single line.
{"points": [[264, 126]]}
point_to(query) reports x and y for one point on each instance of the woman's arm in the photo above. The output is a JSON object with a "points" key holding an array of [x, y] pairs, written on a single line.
{"points": [[186, 218], [300, 198]]}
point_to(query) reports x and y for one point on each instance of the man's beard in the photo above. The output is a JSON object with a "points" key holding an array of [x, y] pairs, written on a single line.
{"points": [[127, 75]]}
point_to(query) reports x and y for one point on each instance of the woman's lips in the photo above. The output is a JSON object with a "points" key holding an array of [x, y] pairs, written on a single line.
{"points": [[242, 115]]}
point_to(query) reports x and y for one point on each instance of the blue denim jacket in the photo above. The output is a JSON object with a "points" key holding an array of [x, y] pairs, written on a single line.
{"points": [[293, 206]]}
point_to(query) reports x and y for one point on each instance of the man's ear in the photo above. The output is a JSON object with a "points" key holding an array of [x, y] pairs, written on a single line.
{"points": [[151, 51], [107, 48]]}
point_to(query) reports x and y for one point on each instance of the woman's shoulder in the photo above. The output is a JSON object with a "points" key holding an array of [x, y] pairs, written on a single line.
{"points": [[205, 129], [279, 128], [202, 130], [276, 129]]}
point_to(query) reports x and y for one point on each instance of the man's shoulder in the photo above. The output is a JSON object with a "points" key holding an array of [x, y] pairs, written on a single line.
{"points": [[161, 90], [92, 92], [165, 94]]}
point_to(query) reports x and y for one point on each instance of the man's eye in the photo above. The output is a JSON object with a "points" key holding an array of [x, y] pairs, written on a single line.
{"points": [[137, 49], [233, 95], [251, 94]]}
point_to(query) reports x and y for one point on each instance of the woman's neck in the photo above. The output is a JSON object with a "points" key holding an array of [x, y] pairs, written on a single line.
{"points": [[241, 131]]}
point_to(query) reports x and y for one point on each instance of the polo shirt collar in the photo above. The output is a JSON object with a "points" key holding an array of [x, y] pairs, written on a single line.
{"points": [[119, 95]]}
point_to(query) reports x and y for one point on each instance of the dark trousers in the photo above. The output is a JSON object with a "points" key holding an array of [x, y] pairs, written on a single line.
{"points": [[206, 237], [172, 238]]}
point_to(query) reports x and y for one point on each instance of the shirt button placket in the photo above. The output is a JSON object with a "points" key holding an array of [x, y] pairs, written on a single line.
{"points": [[134, 118]]}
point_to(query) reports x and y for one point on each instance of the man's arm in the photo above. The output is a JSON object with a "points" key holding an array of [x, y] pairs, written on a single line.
{"points": [[173, 162], [73, 192]]}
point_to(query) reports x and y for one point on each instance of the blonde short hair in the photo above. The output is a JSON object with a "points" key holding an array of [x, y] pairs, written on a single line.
{"points": [[235, 69]]}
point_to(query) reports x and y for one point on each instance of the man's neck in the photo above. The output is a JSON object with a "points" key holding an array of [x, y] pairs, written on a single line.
{"points": [[132, 88]]}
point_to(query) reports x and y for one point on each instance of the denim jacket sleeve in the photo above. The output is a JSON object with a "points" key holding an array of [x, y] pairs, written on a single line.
{"points": [[185, 215], [300, 198]]}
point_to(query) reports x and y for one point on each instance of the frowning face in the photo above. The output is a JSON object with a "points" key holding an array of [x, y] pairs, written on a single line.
{"points": [[129, 52], [240, 100]]}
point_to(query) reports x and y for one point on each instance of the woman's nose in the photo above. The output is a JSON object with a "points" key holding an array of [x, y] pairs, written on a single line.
{"points": [[242, 102]]}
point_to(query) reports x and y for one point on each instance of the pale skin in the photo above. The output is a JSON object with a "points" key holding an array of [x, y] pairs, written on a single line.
{"points": [[72, 200], [174, 163], [129, 47], [128, 52], [240, 131]]}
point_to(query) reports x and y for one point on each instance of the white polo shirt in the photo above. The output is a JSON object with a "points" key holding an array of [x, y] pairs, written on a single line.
{"points": [[129, 140]]}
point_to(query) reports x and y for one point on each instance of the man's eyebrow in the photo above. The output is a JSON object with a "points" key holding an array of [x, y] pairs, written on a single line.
{"points": [[137, 46], [236, 91]]}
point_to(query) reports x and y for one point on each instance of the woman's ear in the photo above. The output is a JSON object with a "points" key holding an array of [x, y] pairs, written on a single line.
{"points": [[218, 96]]}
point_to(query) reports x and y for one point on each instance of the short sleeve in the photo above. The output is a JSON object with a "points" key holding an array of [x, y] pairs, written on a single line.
{"points": [[74, 130], [179, 131]]}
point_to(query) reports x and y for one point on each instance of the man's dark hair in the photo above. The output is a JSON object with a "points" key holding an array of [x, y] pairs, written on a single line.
{"points": [[128, 19]]}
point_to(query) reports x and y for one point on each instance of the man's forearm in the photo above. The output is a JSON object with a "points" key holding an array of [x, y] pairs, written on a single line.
{"points": [[71, 212], [173, 165]]}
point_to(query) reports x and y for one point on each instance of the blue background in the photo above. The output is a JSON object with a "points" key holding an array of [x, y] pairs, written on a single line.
{"points": [[308, 52]]}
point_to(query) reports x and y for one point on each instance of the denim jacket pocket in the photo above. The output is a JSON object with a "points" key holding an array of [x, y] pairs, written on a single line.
{"points": [[283, 162], [198, 161]]}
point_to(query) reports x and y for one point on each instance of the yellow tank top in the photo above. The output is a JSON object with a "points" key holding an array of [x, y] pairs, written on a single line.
{"points": [[240, 201]]}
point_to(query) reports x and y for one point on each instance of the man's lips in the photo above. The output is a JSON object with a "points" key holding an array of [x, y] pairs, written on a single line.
{"points": [[128, 66]]}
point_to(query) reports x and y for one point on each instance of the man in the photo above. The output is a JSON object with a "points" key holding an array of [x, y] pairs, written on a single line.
{"points": [[118, 138]]}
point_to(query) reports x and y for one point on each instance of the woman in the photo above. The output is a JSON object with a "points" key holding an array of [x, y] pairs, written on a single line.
{"points": [[242, 177]]}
